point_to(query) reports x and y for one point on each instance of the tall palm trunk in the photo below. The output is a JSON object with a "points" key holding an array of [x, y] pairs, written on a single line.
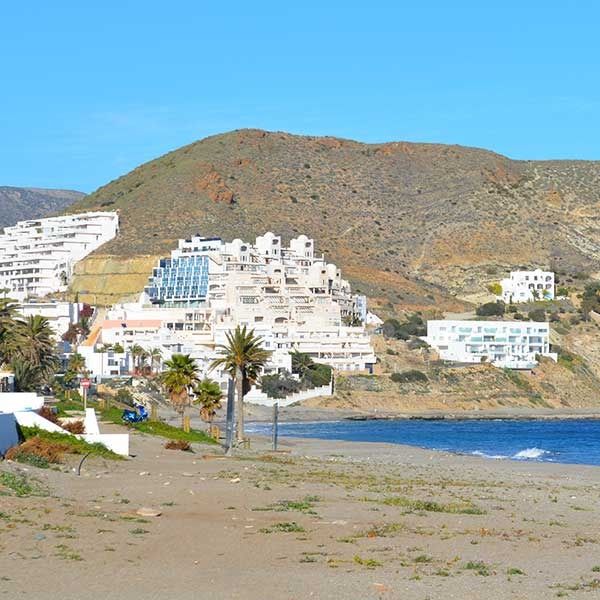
{"points": [[239, 387]]}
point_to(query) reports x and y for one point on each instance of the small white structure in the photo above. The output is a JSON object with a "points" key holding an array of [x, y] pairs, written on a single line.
{"points": [[509, 344], [528, 286], [37, 256]]}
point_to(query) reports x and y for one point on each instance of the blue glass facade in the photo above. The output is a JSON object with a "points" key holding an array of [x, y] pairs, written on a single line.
{"points": [[181, 280]]}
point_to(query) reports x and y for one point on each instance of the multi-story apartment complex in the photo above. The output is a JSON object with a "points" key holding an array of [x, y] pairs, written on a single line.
{"points": [[37, 256], [291, 297], [511, 344], [60, 315], [527, 286]]}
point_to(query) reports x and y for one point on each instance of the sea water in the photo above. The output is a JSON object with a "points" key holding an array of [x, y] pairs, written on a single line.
{"points": [[564, 441]]}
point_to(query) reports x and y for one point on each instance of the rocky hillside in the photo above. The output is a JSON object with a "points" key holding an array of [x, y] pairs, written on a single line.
{"points": [[19, 204], [415, 225], [410, 380]]}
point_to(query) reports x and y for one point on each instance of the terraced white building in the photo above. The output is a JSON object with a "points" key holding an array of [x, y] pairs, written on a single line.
{"points": [[510, 344], [37, 256], [290, 296]]}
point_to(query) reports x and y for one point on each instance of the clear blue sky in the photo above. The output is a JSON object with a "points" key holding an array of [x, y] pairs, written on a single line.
{"points": [[89, 90]]}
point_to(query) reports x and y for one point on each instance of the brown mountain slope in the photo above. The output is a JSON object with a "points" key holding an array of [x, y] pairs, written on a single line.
{"points": [[412, 223], [19, 204]]}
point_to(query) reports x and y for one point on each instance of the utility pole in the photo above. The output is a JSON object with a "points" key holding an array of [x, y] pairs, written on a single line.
{"points": [[275, 425], [230, 416]]}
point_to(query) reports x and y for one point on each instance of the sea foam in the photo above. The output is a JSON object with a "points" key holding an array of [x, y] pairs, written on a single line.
{"points": [[530, 454]]}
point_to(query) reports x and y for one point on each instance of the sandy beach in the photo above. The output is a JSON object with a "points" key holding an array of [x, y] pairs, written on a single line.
{"points": [[319, 519]]}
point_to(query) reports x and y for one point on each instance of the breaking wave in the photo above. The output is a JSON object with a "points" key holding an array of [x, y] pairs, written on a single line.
{"points": [[530, 454]]}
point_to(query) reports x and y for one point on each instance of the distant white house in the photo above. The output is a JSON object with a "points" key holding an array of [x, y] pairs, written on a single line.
{"points": [[528, 286], [510, 344]]}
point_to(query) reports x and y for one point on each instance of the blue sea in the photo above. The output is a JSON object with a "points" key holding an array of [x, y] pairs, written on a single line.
{"points": [[563, 441]]}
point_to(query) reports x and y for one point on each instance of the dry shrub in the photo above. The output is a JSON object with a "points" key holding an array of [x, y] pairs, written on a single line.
{"points": [[36, 446], [47, 413], [73, 426], [178, 445]]}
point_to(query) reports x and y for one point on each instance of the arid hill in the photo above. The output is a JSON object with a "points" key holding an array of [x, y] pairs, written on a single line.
{"points": [[19, 204], [411, 224]]}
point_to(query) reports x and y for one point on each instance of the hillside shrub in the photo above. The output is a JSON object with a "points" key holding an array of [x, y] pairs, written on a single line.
{"points": [[410, 376], [538, 315], [491, 309], [495, 288], [590, 299], [413, 326]]}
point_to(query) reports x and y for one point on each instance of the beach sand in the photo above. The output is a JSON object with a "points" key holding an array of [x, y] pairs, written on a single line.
{"points": [[320, 519]]}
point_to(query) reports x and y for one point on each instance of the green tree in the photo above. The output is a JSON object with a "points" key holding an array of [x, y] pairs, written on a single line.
{"points": [[8, 315], [33, 342], [137, 353], [180, 376], [301, 363], [208, 395], [27, 376], [155, 355], [243, 358]]}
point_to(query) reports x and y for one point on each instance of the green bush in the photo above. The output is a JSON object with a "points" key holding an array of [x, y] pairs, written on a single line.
{"points": [[413, 326], [410, 376], [490, 309], [279, 385], [538, 315], [495, 288]]}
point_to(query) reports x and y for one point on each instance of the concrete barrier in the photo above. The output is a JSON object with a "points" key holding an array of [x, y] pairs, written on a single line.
{"points": [[11, 402], [255, 396]]}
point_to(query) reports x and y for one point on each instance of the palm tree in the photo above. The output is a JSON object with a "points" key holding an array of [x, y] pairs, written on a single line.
{"points": [[27, 376], [136, 352], [208, 395], [8, 314], [155, 355], [76, 364], [301, 363], [243, 358], [33, 342], [180, 376]]}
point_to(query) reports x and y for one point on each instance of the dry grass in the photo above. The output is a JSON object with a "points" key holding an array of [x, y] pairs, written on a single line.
{"points": [[50, 451], [178, 445]]}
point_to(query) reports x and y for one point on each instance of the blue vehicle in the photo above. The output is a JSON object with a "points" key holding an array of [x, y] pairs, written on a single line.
{"points": [[135, 415]]}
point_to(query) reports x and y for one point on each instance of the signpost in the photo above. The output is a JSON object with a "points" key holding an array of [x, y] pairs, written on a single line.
{"points": [[85, 385]]}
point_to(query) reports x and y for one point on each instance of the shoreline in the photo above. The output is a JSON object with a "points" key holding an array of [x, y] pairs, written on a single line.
{"points": [[299, 414]]}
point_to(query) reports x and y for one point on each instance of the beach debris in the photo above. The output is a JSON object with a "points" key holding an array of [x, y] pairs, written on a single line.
{"points": [[185, 474], [146, 511], [235, 480], [142, 473], [339, 522]]}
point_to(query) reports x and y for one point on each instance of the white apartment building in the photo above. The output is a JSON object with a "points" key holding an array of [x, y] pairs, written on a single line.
{"points": [[510, 344], [291, 297], [60, 315], [528, 286], [37, 256]]}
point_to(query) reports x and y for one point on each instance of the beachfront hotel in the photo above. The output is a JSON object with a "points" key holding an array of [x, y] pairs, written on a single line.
{"points": [[527, 286], [508, 344], [289, 295], [37, 256]]}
